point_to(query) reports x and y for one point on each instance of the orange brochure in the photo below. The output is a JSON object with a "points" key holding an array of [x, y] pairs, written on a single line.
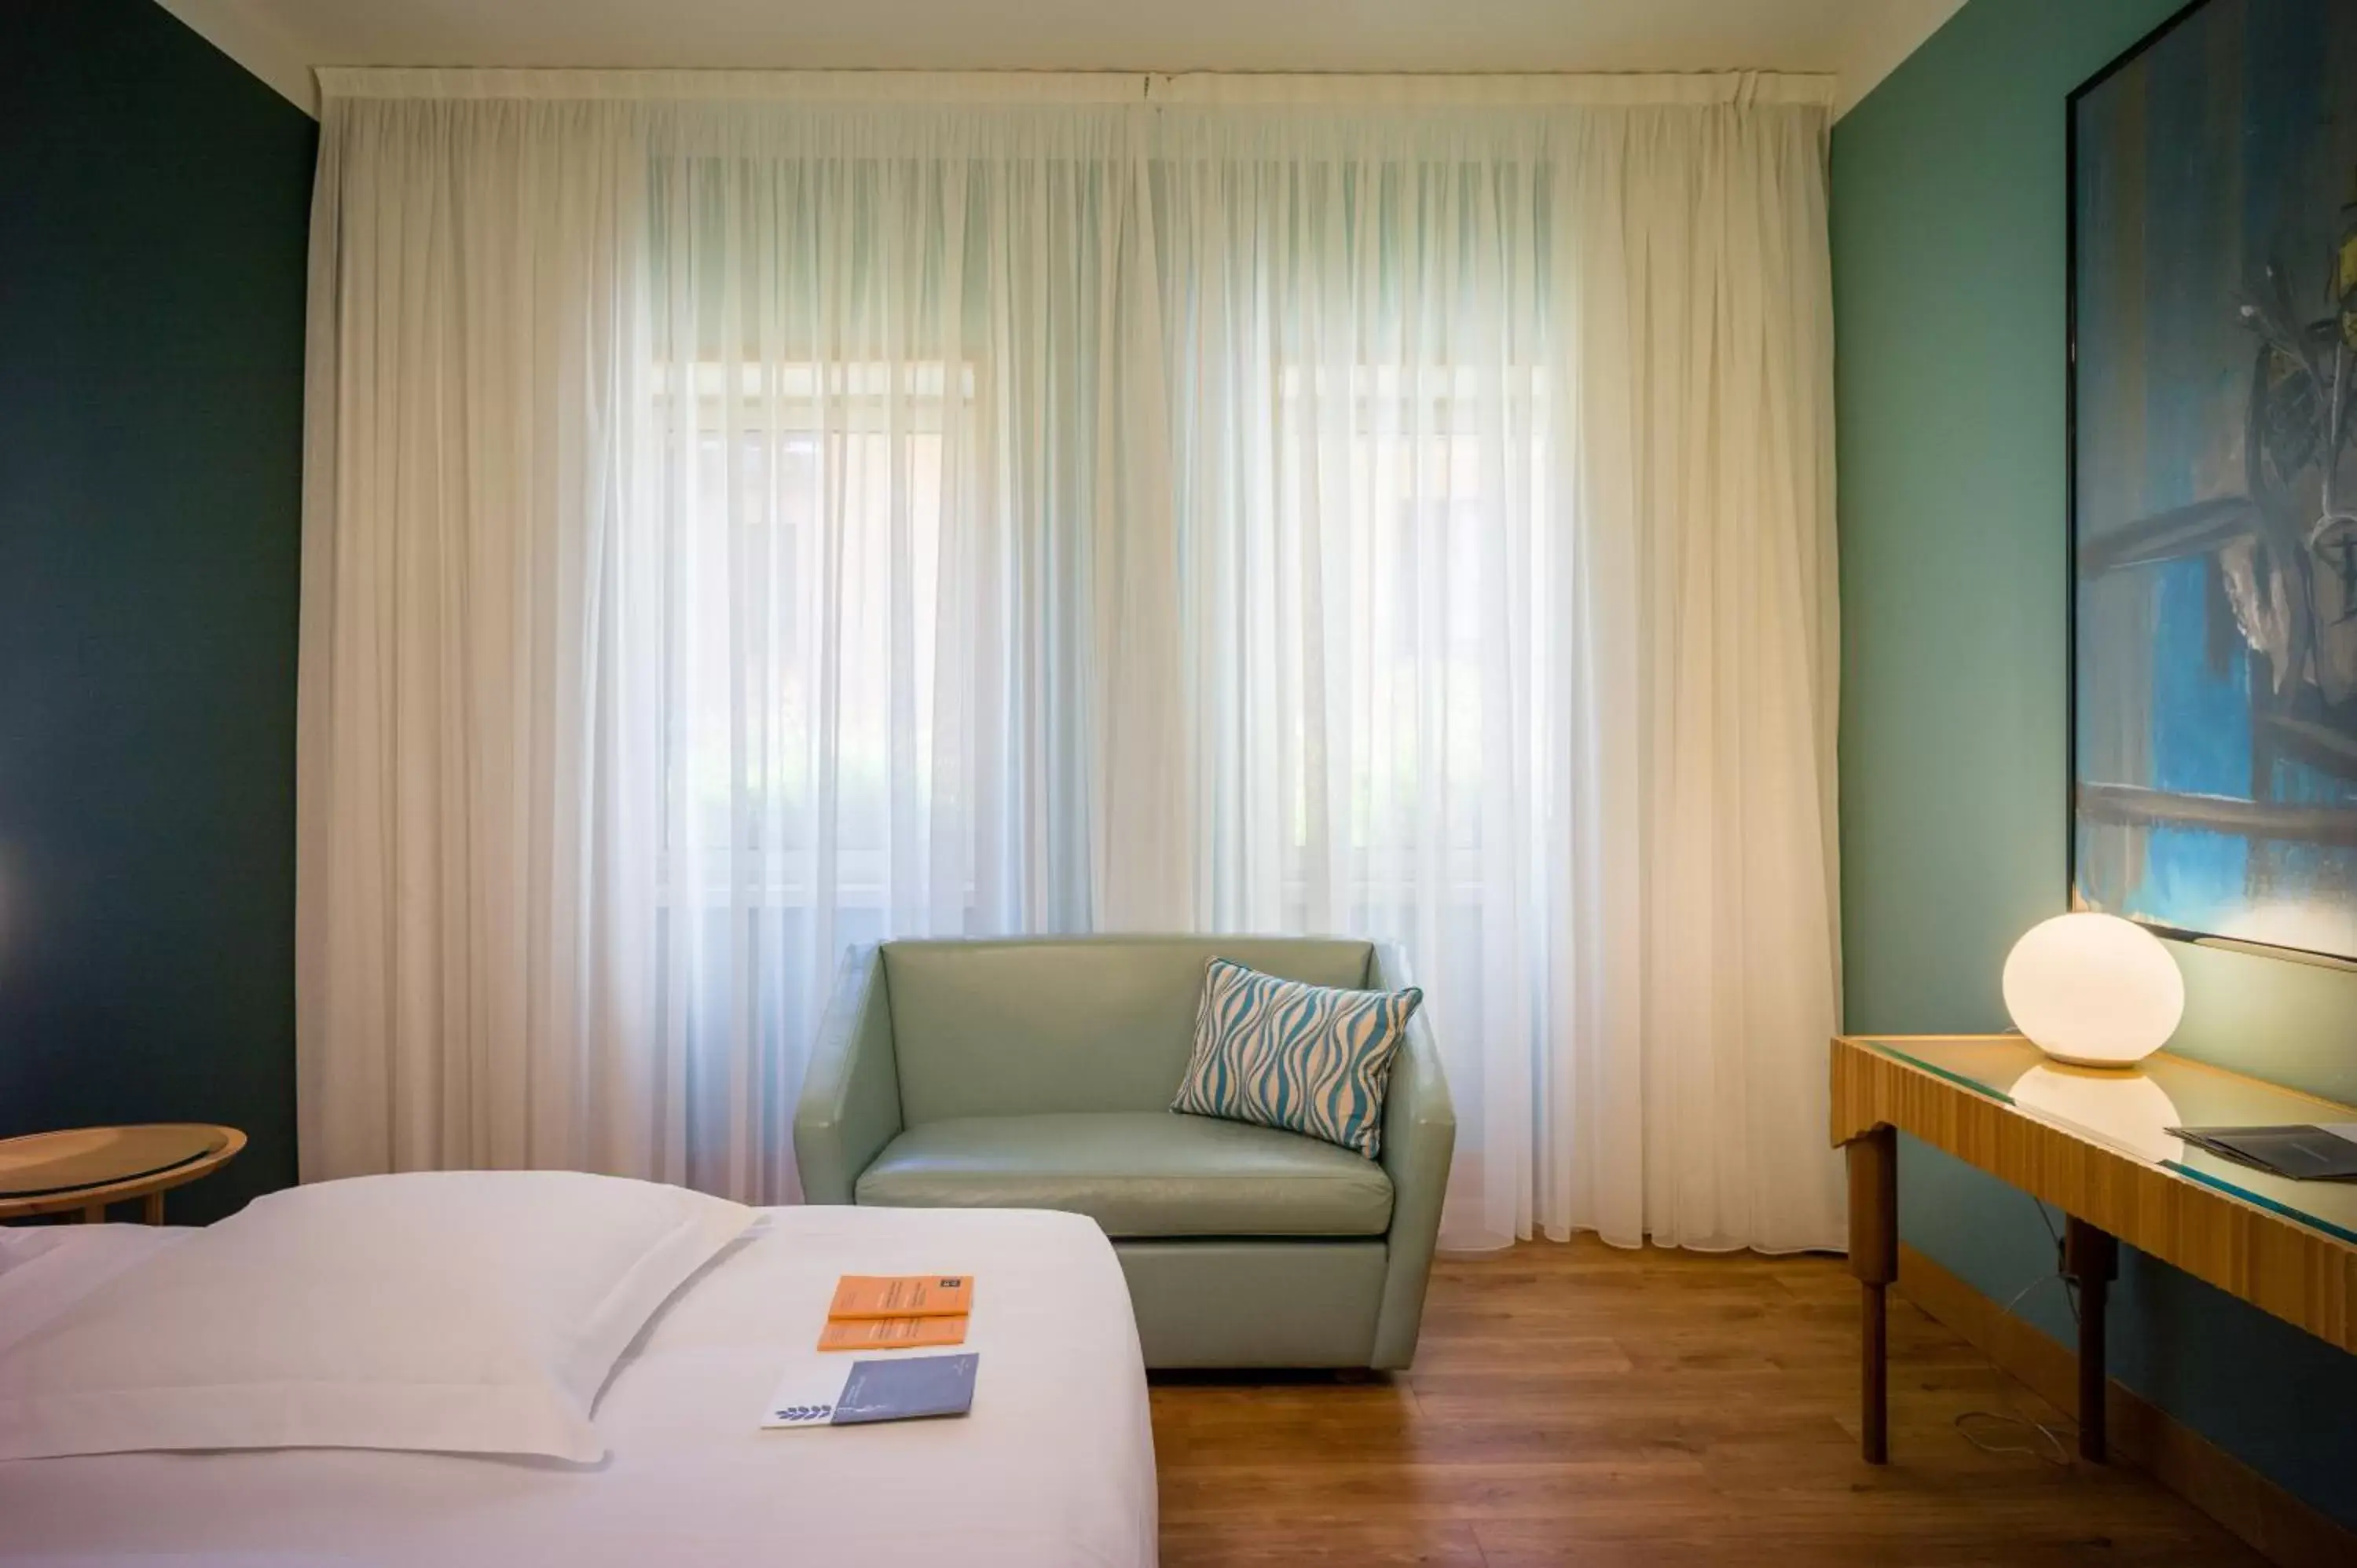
{"points": [[891, 1333], [902, 1295]]}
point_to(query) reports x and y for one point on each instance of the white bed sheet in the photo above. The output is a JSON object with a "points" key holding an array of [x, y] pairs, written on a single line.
{"points": [[1054, 1466]]}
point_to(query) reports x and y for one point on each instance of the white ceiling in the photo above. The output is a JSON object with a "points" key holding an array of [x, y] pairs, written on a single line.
{"points": [[1857, 40]]}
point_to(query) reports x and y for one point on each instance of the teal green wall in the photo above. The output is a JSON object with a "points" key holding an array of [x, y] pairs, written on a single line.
{"points": [[1949, 279], [154, 199]]}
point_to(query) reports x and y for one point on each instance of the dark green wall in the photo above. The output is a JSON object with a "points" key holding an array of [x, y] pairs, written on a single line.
{"points": [[1949, 279], [154, 199]]}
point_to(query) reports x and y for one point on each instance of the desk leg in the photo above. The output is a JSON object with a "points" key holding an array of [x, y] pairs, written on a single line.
{"points": [[152, 1210], [1874, 1259], [93, 1214], [2092, 1258]]}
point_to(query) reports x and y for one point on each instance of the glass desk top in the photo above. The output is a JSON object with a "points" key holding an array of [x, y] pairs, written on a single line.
{"points": [[2131, 1112]]}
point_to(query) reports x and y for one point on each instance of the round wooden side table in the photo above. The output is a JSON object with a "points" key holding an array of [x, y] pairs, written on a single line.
{"points": [[89, 1167]]}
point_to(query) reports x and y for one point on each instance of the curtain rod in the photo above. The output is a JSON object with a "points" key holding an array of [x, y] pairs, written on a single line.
{"points": [[1470, 90]]}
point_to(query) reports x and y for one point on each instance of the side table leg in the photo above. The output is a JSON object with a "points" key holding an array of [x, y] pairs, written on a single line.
{"points": [[2090, 1257], [152, 1210], [1874, 1259]]}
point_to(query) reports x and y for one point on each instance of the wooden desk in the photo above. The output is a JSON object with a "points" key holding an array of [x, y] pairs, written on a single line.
{"points": [[2092, 1145], [87, 1168]]}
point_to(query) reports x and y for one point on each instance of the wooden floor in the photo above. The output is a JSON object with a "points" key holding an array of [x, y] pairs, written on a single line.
{"points": [[1576, 1404]]}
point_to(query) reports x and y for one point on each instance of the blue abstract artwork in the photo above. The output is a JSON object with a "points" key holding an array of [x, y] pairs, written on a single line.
{"points": [[2213, 298]]}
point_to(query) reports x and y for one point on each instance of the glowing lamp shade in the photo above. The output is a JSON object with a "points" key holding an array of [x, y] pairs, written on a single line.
{"points": [[2093, 990]]}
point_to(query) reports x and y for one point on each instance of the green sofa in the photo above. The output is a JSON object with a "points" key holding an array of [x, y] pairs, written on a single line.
{"points": [[1037, 1073]]}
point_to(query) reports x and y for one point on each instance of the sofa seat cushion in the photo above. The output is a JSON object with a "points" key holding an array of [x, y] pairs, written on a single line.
{"points": [[1135, 1173]]}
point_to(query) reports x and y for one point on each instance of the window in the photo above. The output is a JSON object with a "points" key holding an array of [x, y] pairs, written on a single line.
{"points": [[1408, 509], [806, 505]]}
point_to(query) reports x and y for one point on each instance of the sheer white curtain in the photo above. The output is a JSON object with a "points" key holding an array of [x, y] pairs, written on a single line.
{"points": [[1503, 444], [750, 514], [1370, 450], [885, 529], [1693, 952]]}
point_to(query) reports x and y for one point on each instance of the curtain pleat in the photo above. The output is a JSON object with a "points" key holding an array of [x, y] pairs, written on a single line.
{"points": [[739, 525]]}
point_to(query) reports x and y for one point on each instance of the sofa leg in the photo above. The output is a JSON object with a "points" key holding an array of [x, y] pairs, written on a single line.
{"points": [[1355, 1375]]}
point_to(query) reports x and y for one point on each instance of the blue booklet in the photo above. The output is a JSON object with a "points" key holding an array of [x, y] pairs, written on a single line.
{"points": [[819, 1390], [906, 1388]]}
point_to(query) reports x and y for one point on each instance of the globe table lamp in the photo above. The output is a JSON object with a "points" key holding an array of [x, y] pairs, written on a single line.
{"points": [[2093, 990]]}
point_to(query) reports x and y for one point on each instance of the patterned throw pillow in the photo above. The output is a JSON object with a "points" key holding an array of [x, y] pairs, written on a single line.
{"points": [[1309, 1058]]}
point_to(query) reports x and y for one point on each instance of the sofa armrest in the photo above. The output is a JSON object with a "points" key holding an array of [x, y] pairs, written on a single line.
{"points": [[850, 1105], [1419, 1138]]}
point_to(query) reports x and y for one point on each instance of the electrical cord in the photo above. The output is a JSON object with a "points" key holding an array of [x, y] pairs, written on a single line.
{"points": [[2069, 1286], [2048, 1445], [2049, 1448]]}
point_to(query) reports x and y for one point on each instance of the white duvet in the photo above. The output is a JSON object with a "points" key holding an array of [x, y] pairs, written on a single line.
{"points": [[1055, 1465]]}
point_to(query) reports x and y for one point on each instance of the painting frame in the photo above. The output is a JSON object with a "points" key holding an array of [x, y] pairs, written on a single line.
{"points": [[2076, 571]]}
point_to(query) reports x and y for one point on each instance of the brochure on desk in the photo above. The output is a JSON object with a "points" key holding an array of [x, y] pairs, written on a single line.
{"points": [[2303, 1153]]}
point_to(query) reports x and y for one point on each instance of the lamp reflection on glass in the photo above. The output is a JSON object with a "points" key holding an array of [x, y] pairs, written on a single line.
{"points": [[2093, 990], [2126, 1109]]}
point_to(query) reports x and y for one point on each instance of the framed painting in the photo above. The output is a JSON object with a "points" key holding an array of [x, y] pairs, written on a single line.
{"points": [[2213, 483]]}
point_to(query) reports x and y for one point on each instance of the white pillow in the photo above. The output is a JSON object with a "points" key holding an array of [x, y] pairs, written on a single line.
{"points": [[474, 1312], [46, 1269]]}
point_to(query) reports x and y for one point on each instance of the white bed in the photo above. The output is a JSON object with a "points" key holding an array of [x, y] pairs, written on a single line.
{"points": [[1055, 1465]]}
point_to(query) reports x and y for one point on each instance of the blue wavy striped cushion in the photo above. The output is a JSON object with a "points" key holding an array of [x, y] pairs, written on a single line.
{"points": [[1309, 1058]]}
